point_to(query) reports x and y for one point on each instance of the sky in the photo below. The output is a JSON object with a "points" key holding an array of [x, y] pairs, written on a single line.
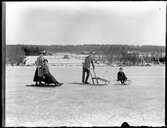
{"points": [[66, 23]]}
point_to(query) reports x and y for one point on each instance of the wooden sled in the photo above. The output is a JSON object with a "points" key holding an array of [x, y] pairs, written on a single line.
{"points": [[44, 83], [97, 79]]}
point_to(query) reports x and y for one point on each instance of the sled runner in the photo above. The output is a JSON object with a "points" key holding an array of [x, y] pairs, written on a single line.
{"points": [[48, 83], [43, 85], [43, 82], [127, 82]]}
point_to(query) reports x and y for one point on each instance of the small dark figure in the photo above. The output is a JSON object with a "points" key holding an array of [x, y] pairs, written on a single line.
{"points": [[86, 67], [48, 78], [121, 76]]}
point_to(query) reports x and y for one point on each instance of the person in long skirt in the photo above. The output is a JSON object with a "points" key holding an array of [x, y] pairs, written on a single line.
{"points": [[48, 77], [39, 70]]}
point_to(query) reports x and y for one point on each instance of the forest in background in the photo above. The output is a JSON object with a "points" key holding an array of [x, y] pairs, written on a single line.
{"points": [[15, 54]]}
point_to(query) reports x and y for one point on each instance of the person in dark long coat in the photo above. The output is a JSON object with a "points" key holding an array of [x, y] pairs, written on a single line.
{"points": [[39, 70], [48, 77], [86, 67], [121, 76]]}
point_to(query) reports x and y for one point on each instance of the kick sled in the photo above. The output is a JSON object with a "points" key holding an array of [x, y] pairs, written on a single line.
{"points": [[45, 83], [98, 80]]}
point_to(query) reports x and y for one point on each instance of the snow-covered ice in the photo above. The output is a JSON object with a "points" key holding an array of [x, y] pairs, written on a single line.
{"points": [[142, 103]]}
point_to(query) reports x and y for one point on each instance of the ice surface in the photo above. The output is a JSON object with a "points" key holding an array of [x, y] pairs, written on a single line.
{"points": [[142, 103]]}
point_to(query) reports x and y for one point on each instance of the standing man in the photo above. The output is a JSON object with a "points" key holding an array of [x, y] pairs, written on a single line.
{"points": [[39, 70], [86, 67]]}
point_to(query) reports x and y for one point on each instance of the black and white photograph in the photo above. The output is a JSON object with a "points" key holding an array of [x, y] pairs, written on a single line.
{"points": [[84, 64]]}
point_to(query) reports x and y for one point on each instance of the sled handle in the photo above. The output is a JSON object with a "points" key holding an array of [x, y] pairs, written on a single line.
{"points": [[95, 76], [92, 78]]}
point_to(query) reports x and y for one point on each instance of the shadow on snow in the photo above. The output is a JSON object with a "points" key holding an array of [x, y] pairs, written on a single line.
{"points": [[41, 86], [77, 83]]}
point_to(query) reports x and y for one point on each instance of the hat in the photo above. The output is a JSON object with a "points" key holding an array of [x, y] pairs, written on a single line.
{"points": [[120, 68]]}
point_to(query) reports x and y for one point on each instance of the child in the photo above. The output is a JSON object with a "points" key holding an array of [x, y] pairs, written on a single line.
{"points": [[121, 76]]}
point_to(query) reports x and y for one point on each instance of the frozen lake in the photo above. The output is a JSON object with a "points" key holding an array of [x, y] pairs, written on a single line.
{"points": [[140, 103]]}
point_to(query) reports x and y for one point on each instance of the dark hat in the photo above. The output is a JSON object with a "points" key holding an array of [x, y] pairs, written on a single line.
{"points": [[120, 68]]}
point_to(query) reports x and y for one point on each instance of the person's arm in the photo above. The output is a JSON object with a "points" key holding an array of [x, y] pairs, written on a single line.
{"points": [[118, 75], [124, 75], [92, 63], [47, 68], [37, 62]]}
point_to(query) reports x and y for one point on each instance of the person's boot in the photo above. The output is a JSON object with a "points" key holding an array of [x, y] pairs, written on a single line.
{"points": [[36, 84], [87, 82], [41, 84]]}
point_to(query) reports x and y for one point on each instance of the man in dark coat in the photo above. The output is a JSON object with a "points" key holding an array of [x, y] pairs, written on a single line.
{"points": [[86, 67], [121, 76]]}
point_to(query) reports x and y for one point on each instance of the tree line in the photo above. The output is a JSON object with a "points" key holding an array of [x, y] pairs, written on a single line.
{"points": [[15, 54]]}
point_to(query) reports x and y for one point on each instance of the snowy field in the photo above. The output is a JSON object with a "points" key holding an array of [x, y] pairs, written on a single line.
{"points": [[73, 104], [58, 59]]}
